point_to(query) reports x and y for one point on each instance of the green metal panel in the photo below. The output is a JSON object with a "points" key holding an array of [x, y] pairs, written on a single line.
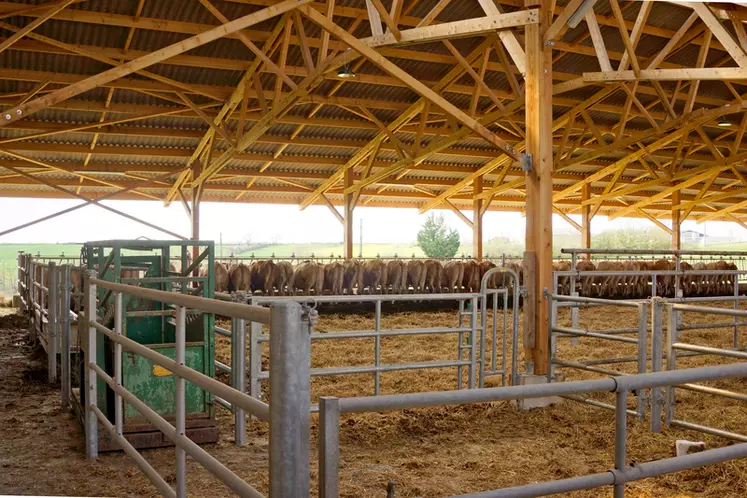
{"points": [[139, 375], [156, 386]]}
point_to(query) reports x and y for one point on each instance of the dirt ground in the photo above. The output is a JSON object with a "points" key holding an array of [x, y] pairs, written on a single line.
{"points": [[426, 452]]}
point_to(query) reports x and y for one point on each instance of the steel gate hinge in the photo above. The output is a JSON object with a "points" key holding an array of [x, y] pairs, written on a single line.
{"points": [[310, 313]]}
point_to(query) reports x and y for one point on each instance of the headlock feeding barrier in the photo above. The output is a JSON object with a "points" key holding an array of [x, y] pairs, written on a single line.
{"points": [[659, 339]]}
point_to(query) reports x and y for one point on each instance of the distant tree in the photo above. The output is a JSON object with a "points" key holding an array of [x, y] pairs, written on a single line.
{"points": [[436, 239]]}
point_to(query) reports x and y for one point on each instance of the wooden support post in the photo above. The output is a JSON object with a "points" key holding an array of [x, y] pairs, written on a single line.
{"points": [[539, 184], [676, 221], [477, 213], [348, 216], [585, 219]]}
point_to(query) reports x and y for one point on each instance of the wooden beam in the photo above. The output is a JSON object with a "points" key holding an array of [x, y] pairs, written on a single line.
{"points": [[598, 41], [539, 203], [508, 37], [348, 205], [635, 35], [673, 41], [54, 9], [477, 221], [384, 14], [586, 218], [560, 24], [434, 12], [148, 60], [374, 19], [675, 231], [567, 219], [718, 29], [410, 81]]}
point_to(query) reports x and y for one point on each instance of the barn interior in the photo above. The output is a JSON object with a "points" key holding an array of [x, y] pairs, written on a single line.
{"points": [[573, 107]]}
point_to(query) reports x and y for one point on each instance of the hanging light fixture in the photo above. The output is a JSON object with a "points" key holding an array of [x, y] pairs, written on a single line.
{"points": [[345, 72], [724, 124]]}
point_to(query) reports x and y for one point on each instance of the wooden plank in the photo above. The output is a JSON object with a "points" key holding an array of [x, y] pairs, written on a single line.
{"points": [[477, 220], [150, 59], [598, 41], [54, 9], [384, 14], [434, 12], [635, 35], [711, 73], [695, 84], [539, 125], [629, 48], [453, 30], [560, 24], [325, 34], [509, 39], [374, 19], [410, 81], [718, 29], [673, 41], [567, 219]]}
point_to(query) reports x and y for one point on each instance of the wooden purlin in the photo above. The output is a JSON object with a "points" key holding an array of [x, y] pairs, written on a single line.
{"points": [[400, 121], [148, 60], [502, 161]]}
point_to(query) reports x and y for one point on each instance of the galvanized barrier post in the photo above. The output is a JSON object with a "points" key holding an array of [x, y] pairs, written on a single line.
{"points": [[736, 307], [290, 384], [181, 455], [671, 364], [642, 352], [52, 336], [329, 447], [118, 329], [656, 361], [92, 426], [64, 312], [377, 348], [255, 359], [238, 370], [473, 344], [621, 420]]}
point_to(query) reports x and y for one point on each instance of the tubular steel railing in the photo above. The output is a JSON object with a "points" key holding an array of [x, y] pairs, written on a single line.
{"points": [[288, 414], [617, 335], [331, 408], [675, 347]]}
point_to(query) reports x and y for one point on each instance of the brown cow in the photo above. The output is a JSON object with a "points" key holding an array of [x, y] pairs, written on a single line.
{"points": [[731, 278], [585, 284], [239, 278], [375, 275], [333, 278], [283, 276], [416, 273], [262, 277], [433, 275], [396, 276], [634, 284], [564, 281], [471, 276], [353, 276], [609, 285], [700, 282], [486, 266], [664, 283], [686, 281], [453, 275], [307, 277], [220, 275]]}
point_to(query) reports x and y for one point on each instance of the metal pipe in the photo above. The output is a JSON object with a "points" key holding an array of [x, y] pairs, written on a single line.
{"points": [[223, 367], [118, 328], [708, 430], [708, 350], [612, 477], [252, 313], [366, 334], [621, 420], [642, 351], [366, 298], [65, 369], [594, 300], [709, 311], [585, 333], [180, 400], [329, 447], [52, 333], [620, 383], [471, 374], [239, 379], [712, 390], [92, 427], [234, 482], [158, 481], [362, 369], [290, 360], [656, 362], [251, 405], [377, 348], [653, 252]]}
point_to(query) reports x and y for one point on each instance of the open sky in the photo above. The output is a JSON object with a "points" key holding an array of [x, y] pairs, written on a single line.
{"points": [[270, 223]]}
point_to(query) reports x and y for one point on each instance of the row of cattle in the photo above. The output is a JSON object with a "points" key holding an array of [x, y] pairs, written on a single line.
{"points": [[631, 283], [375, 276]]}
